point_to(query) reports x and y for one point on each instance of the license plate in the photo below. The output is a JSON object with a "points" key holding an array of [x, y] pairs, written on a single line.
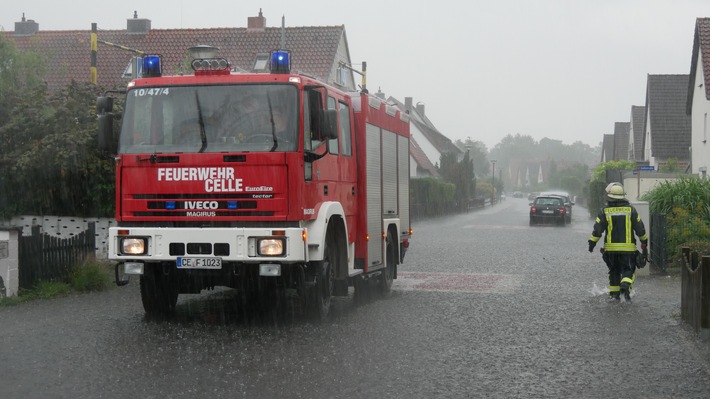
{"points": [[547, 211], [199, 263]]}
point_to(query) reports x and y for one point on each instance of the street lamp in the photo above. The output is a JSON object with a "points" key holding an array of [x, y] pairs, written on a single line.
{"points": [[493, 192]]}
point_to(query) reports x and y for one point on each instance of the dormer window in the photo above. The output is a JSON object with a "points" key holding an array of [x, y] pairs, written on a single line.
{"points": [[262, 62]]}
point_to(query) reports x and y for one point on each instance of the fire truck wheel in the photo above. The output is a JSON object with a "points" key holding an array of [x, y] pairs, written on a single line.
{"points": [[325, 279], [159, 292], [387, 276], [322, 292]]}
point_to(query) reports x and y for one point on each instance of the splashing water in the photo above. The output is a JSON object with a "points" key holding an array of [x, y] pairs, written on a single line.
{"points": [[598, 291]]}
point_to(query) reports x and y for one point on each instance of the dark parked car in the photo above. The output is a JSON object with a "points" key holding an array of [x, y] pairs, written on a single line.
{"points": [[548, 209], [567, 200]]}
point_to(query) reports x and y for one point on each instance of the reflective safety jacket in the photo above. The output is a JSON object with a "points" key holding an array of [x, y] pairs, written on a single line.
{"points": [[619, 220]]}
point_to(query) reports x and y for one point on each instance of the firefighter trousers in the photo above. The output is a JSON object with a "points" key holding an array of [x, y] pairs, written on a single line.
{"points": [[622, 269]]}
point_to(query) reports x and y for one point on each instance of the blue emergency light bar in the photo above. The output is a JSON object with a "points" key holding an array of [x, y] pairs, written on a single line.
{"points": [[151, 66], [280, 61]]}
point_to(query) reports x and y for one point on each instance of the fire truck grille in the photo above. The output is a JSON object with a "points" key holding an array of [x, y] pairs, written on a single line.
{"points": [[198, 248], [192, 205]]}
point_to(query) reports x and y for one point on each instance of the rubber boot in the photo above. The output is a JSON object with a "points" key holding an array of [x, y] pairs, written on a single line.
{"points": [[626, 291]]}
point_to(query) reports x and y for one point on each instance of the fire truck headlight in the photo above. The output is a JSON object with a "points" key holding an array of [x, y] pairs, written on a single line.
{"points": [[271, 247], [133, 246]]}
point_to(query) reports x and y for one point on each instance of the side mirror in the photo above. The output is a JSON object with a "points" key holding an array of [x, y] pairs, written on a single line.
{"points": [[104, 111], [107, 142]]}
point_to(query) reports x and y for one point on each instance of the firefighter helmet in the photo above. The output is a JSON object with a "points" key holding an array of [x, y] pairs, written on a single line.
{"points": [[610, 185], [615, 191]]}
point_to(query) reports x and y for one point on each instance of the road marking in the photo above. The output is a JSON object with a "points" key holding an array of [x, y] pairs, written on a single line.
{"points": [[457, 282]]}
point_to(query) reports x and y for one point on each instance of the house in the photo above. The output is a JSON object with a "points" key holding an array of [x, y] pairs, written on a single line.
{"points": [[698, 101], [319, 51], [666, 123], [636, 134], [621, 140], [425, 139]]}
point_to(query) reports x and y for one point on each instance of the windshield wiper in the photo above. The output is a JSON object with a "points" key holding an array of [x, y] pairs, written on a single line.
{"points": [[273, 124], [201, 121]]}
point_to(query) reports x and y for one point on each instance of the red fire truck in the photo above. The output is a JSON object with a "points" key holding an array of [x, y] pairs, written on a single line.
{"points": [[263, 182]]}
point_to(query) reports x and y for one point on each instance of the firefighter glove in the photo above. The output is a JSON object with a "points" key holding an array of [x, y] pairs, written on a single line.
{"points": [[591, 245], [643, 246]]}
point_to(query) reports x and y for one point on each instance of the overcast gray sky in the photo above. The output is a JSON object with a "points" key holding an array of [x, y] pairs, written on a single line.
{"points": [[562, 69]]}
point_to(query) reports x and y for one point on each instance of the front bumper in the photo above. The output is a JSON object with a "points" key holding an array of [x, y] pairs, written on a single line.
{"points": [[229, 244]]}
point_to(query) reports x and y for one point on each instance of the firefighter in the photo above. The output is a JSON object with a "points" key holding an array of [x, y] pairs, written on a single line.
{"points": [[618, 221]]}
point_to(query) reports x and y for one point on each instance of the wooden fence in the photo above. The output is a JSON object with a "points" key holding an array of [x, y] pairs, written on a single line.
{"points": [[46, 258], [695, 291]]}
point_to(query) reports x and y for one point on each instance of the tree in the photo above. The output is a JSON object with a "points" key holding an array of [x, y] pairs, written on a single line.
{"points": [[478, 153], [461, 174], [49, 160]]}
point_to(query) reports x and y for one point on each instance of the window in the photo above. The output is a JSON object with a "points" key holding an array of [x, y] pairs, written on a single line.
{"points": [[262, 62], [332, 144], [344, 113]]}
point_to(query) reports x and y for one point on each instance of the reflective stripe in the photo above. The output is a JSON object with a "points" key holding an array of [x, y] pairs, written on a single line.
{"points": [[626, 243], [644, 237], [619, 246], [617, 210], [594, 239], [614, 288]]}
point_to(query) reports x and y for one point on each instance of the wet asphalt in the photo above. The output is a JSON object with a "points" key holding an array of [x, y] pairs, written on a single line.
{"points": [[484, 306]]}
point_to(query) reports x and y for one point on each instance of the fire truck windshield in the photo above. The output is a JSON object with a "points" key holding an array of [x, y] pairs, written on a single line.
{"points": [[233, 118]]}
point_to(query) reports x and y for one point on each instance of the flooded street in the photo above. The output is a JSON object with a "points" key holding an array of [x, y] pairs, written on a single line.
{"points": [[484, 306]]}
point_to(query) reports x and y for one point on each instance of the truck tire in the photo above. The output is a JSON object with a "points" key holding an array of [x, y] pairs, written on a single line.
{"points": [[322, 291], [387, 276], [159, 292]]}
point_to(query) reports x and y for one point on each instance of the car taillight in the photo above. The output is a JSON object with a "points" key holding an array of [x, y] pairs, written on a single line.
{"points": [[562, 210], [533, 209]]}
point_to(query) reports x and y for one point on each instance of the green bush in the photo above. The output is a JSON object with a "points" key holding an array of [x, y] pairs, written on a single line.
{"points": [[90, 276], [431, 196], [686, 193], [597, 197], [686, 204]]}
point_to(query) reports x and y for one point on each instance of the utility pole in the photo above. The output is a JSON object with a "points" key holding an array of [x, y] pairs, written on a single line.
{"points": [[493, 193], [95, 45]]}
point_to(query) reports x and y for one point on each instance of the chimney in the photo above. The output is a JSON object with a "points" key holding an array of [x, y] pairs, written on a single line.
{"points": [[138, 26], [256, 24], [26, 27], [380, 94], [420, 108], [408, 104]]}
